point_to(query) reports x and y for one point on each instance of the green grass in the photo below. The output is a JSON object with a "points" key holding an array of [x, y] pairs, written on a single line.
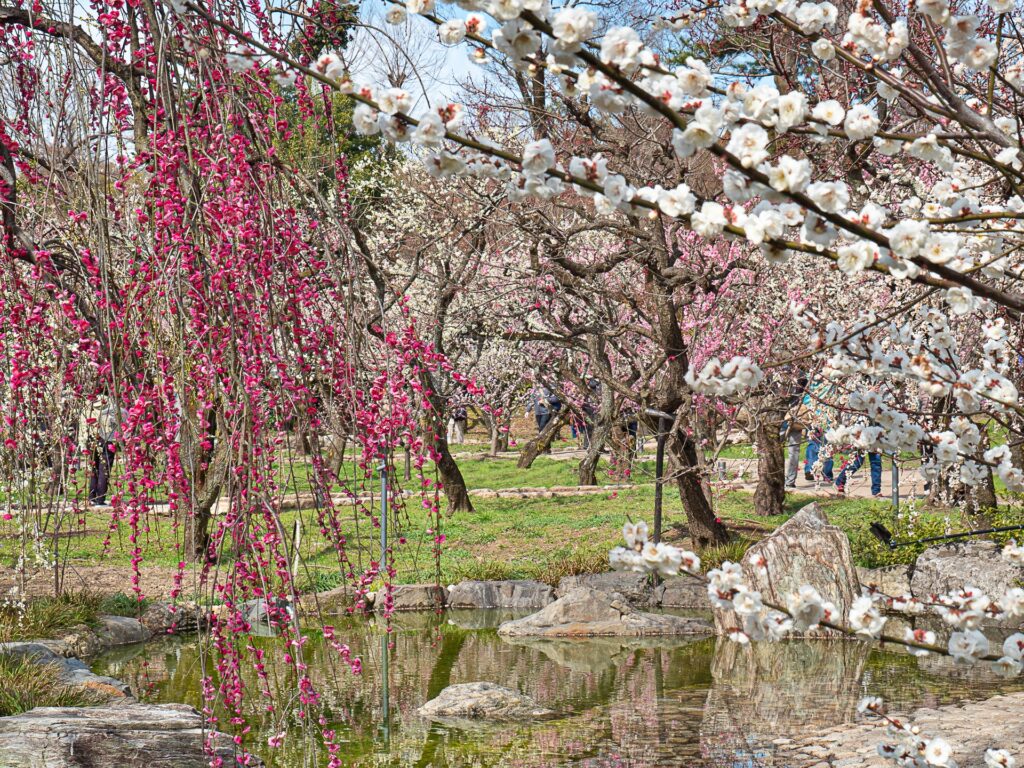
{"points": [[542, 538], [25, 685], [47, 616]]}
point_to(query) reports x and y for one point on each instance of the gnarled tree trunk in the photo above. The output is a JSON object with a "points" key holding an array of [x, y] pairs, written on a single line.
{"points": [[770, 493]]}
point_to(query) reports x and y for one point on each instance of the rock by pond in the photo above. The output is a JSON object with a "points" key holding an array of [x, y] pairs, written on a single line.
{"points": [[127, 735], [413, 597], [806, 549], [893, 580], [72, 672], [635, 587], [517, 594], [961, 564], [587, 612], [482, 701]]}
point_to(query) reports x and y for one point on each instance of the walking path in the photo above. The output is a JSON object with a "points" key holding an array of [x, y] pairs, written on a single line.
{"points": [[969, 728]]}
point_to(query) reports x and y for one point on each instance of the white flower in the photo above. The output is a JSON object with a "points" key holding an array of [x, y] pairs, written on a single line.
{"points": [[806, 607], [747, 603], [452, 31], [830, 112], [748, 143], [709, 220], [364, 120], [1001, 6], [677, 202], [829, 196], [870, 704], [968, 646], [617, 189], [908, 238], [396, 14], [1006, 667], [791, 109], [1013, 553], [441, 165], [865, 618], [861, 122], [823, 49], [621, 46], [430, 131], [419, 6], [1013, 601], [694, 78], [1013, 646], [538, 157], [394, 100], [855, 257], [999, 758], [937, 752], [790, 174], [573, 26], [330, 66], [635, 534]]}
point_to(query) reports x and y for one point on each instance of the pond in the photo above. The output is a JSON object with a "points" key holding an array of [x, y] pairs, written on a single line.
{"points": [[622, 702]]}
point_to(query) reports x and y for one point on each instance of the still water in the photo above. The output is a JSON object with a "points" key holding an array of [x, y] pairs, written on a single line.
{"points": [[622, 702]]}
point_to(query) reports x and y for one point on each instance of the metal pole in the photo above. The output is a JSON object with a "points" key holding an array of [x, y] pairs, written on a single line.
{"points": [[383, 516], [895, 484], [659, 470], [408, 463]]}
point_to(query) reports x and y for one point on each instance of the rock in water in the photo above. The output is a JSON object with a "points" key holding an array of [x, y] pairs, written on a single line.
{"points": [[635, 587], [129, 735], [805, 549], [413, 597], [523, 593], [964, 564], [482, 701], [586, 612], [893, 580]]}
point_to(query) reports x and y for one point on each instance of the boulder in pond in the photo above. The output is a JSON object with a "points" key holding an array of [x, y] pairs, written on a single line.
{"points": [[587, 612], [893, 580], [168, 618], [482, 701], [521, 594], [121, 630], [127, 734], [413, 597], [635, 587], [683, 592], [806, 549], [71, 671], [967, 563]]}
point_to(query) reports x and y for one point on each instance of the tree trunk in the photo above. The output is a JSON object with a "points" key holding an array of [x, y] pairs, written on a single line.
{"points": [[451, 476], [601, 426], [499, 436], [770, 493], [542, 442], [704, 527]]}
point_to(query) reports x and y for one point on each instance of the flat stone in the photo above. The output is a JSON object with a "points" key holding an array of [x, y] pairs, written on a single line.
{"points": [[121, 630], [413, 597], [893, 580], [635, 587], [127, 735], [523, 593], [806, 549], [586, 612], [482, 701], [683, 592]]}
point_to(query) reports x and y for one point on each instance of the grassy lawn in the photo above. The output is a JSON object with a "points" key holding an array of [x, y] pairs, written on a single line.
{"points": [[543, 538]]}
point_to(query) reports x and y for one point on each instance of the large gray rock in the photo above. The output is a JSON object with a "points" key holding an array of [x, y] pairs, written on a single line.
{"points": [[127, 735], [482, 701], [121, 630], [168, 618], [71, 671], [586, 612], [805, 549], [635, 587], [683, 592], [500, 594], [893, 580], [413, 597], [971, 563]]}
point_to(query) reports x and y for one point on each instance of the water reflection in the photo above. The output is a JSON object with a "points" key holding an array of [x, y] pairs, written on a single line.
{"points": [[655, 702]]}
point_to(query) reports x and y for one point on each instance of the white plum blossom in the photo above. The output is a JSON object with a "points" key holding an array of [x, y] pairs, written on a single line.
{"points": [[391, 101], [573, 26], [622, 47], [749, 144], [861, 122], [538, 157], [452, 32]]}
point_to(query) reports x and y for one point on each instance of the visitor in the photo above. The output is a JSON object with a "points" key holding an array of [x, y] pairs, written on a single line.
{"points": [[100, 431], [793, 427], [849, 467], [543, 405], [815, 443], [457, 423]]}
